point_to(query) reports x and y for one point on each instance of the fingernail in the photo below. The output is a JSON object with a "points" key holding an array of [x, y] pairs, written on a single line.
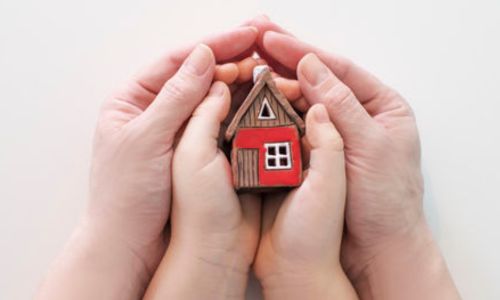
{"points": [[263, 17], [314, 71], [255, 29], [217, 89], [200, 59], [321, 115]]}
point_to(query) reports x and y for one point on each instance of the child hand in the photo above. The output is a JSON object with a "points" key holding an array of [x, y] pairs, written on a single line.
{"points": [[214, 231], [298, 255]]}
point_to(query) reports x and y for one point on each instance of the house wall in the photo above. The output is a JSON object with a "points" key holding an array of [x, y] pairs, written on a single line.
{"points": [[250, 119], [254, 139]]}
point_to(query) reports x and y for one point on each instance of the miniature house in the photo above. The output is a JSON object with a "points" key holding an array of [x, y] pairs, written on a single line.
{"points": [[265, 134]]}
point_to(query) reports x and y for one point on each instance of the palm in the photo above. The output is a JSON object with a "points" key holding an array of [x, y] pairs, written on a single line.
{"points": [[132, 189], [131, 169], [295, 235], [371, 212]]}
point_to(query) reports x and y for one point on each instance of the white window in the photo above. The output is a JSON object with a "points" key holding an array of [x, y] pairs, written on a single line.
{"points": [[278, 156], [265, 112]]}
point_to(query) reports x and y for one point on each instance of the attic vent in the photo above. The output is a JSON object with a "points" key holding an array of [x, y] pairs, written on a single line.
{"points": [[266, 113]]}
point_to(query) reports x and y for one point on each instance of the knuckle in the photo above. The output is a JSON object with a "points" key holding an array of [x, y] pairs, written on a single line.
{"points": [[335, 142], [402, 107], [177, 88], [339, 97]]}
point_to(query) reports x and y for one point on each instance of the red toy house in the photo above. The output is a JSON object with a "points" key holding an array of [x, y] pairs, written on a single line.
{"points": [[266, 131]]}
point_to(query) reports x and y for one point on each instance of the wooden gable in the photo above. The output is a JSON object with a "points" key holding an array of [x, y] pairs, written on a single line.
{"points": [[251, 116], [248, 113]]}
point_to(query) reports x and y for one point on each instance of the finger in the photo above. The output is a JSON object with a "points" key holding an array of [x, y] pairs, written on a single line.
{"points": [[263, 24], [290, 88], [306, 153], [301, 104], [227, 73], [289, 51], [325, 177], [325, 143], [203, 128], [320, 85], [181, 93], [270, 207], [250, 207], [245, 68], [225, 46]]}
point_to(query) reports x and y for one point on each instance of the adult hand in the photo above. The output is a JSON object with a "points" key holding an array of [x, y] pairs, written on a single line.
{"points": [[298, 256], [215, 232], [387, 236], [116, 249]]}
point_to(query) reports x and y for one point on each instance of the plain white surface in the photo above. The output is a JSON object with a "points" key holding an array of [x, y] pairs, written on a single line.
{"points": [[58, 60]]}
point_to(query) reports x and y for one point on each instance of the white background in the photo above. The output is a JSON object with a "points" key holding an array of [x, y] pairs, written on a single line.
{"points": [[59, 59]]}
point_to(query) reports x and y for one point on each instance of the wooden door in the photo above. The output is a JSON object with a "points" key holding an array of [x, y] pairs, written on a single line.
{"points": [[248, 168]]}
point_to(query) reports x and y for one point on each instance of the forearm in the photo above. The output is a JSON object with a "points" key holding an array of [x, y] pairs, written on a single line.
{"points": [[410, 267], [93, 266]]}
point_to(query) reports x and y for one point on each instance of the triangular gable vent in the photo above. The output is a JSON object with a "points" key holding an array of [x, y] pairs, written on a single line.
{"points": [[266, 113]]}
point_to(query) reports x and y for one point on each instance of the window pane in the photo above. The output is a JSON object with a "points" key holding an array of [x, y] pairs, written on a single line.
{"points": [[265, 112], [283, 161], [271, 162], [282, 150], [271, 150]]}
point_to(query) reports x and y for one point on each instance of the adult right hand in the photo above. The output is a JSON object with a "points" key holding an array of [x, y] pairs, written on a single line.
{"points": [[388, 251]]}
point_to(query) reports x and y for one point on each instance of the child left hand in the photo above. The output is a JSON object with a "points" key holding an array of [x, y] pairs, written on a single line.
{"points": [[214, 231]]}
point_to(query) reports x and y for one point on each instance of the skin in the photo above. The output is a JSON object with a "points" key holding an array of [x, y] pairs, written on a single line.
{"points": [[387, 236], [287, 246], [298, 255], [208, 214], [242, 71], [227, 73], [120, 240], [215, 231]]}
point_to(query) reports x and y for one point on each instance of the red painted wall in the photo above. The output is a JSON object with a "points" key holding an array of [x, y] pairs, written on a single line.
{"points": [[256, 137]]}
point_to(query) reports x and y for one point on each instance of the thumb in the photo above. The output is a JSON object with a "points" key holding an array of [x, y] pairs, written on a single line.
{"points": [[325, 182], [325, 142], [320, 85], [182, 93], [202, 131]]}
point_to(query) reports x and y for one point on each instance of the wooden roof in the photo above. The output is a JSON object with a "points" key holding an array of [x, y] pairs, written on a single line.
{"points": [[263, 80]]}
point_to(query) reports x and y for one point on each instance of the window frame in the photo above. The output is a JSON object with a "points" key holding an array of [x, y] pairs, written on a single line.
{"points": [[272, 115], [277, 156]]}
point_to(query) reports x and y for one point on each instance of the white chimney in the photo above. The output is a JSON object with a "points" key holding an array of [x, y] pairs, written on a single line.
{"points": [[257, 70]]}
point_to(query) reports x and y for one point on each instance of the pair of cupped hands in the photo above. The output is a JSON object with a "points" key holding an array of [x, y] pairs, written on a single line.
{"points": [[164, 221]]}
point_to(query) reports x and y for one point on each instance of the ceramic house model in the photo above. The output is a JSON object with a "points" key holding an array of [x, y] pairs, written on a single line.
{"points": [[265, 134]]}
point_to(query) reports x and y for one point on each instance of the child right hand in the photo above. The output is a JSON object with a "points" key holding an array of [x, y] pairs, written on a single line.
{"points": [[298, 255]]}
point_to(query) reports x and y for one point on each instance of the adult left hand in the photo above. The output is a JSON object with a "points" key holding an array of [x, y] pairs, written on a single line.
{"points": [[120, 241]]}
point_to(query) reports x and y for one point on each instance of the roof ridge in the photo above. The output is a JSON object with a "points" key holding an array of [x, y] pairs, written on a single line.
{"points": [[263, 79]]}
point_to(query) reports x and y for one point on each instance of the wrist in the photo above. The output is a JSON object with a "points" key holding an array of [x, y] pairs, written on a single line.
{"points": [[402, 265], [217, 274], [93, 265], [301, 283]]}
